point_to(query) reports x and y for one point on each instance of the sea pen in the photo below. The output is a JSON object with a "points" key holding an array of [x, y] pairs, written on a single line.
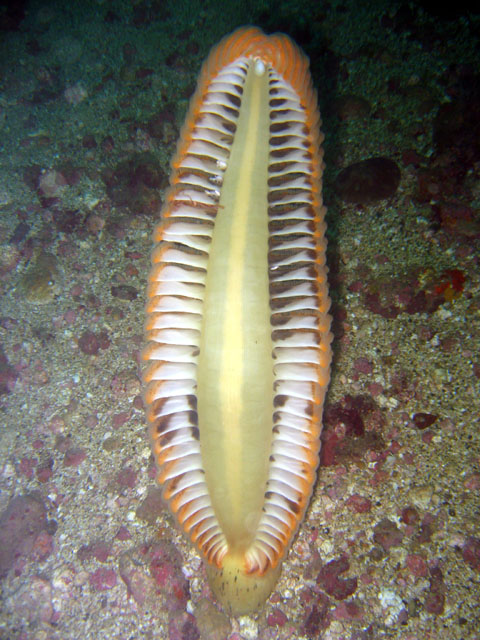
{"points": [[238, 330]]}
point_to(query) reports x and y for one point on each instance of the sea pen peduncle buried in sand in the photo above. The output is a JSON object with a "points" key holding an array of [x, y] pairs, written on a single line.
{"points": [[237, 323]]}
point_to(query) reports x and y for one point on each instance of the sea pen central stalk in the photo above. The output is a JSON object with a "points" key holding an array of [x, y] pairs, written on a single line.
{"points": [[235, 371]]}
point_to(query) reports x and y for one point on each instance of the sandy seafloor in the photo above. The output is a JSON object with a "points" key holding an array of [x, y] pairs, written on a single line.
{"points": [[85, 89]]}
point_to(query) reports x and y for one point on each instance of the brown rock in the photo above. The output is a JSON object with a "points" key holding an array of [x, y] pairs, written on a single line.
{"points": [[368, 181]]}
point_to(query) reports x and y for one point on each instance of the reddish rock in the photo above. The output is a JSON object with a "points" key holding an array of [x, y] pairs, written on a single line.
{"points": [[356, 286], [165, 568], [375, 305], [20, 525], [88, 343], [97, 550], [103, 340], [348, 611], [277, 618], [329, 579], [375, 389], [26, 467], [358, 503], [368, 181], [410, 515], [425, 533], [330, 443], [123, 534], [471, 553], [131, 271], [63, 443], [124, 292], [152, 505], [427, 437], [435, 603], [153, 576], [317, 617], [74, 457], [42, 547], [140, 585], [127, 477], [435, 600], [76, 291], [183, 626], [416, 565], [138, 403], [387, 534], [414, 292], [44, 470], [395, 447], [344, 435], [424, 420], [119, 419], [103, 579], [378, 478], [362, 365]]}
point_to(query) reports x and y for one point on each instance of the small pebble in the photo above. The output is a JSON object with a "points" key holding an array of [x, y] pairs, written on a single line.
{"points": [[277, 618], [358, 503], [74, 457], [329, 579], [471, 553], [103, 579], [424, 420], [417, 565], [88, 343], [387, 534]]}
